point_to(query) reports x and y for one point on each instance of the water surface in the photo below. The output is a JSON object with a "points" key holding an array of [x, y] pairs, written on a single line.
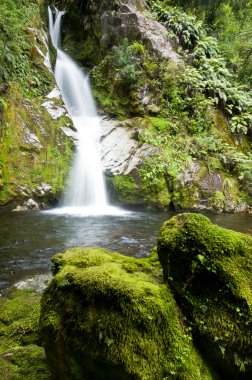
{"points": [[28, 240]]}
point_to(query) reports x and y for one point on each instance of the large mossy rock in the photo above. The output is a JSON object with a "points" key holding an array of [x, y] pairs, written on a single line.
{"points": [[106, 316], [210, 269]]}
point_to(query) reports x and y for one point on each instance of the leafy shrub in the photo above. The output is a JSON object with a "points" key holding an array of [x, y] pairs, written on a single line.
{"points": [[208, 73]]}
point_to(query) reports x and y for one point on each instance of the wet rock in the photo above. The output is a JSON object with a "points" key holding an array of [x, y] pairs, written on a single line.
{"points": [[211, 183], [54, 94], [41, 36], [30, 204], [37, 283], [23, 191], [20, 208], [241, 207], [200, 189], [42, 190], [190, 173], [112, 21]]}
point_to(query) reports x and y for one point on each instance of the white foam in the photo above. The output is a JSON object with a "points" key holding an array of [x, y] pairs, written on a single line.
{"points": [[88, 211]]}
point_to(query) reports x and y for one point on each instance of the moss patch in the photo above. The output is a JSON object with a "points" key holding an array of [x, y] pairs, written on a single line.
{"points": [[21, 354], [27, 162], [126, 190]]}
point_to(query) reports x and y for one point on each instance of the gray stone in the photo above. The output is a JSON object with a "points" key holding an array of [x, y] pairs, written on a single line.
{"points": [[20, 208], [37, 283], [241, 207], [31, 139], [120, 152], [54, 94], [70, 133], [41, 36], [31, 204], [131, 23], [54, 111], [42, 190], [24, 191], [212, 183], [47, 188], [190, 173]]}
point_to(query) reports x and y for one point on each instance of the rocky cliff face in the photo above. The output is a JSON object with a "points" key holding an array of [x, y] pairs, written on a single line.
{"points": [[34, 151]]}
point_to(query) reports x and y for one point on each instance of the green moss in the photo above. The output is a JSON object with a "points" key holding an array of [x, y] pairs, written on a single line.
{"points": [[114, 319], [25, 163], [209, 267], [84, 49], [21, 354], [218, 200], [126, 190]]}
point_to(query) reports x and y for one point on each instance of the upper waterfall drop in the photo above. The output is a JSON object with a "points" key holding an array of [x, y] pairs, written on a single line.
{"points": [[87, 187]]}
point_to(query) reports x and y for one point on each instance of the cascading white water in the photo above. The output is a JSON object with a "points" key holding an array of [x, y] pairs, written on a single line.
{"points": [[86, 188]]}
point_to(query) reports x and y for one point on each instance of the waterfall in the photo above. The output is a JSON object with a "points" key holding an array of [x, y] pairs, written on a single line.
{"points": [[86, 186]]}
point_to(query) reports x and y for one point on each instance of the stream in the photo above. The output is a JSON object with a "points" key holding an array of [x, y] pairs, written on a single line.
{"points": [[28, 240]]}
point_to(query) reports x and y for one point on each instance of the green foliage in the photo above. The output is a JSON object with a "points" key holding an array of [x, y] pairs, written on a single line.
{"points": [[153, 171], [3, 104], [209, 74], [245, 171], [230, 22], [129, 81], [126, 62], [186, 28], [114, 78], [19, 59], [189, 158]]}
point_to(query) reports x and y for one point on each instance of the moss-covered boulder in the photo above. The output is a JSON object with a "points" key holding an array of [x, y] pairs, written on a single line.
{"points": [[21, 353], [106, 316], [210, 269]]}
